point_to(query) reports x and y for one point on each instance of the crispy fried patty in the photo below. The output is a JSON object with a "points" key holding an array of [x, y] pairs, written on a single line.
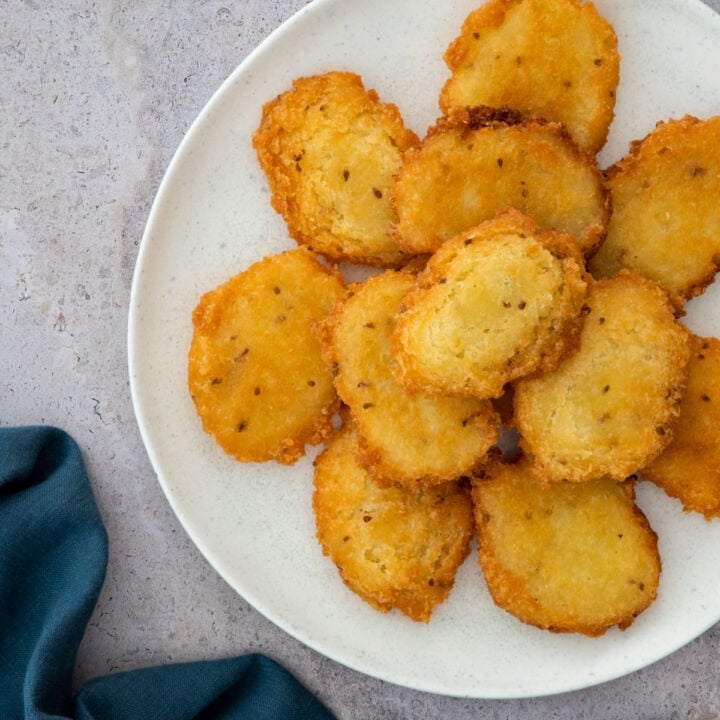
{"points": [[477, 161], [553, 59], [497, 302], [255, 371], [393, 547], [412, 439], [611, 407], [572, 558], [329, 148]]}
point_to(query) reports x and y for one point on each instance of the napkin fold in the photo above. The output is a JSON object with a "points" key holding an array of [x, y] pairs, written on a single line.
{"points": [[53, 556]]}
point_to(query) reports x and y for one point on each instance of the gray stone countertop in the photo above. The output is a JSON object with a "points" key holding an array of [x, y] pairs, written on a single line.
{"points": [[94, 99]]}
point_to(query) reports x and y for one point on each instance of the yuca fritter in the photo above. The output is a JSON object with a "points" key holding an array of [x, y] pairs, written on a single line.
{"points": [[478, 161], [610, 407], [666, 208], [689, 467], [329, 148], [393, 547], [572, 558], [554, 59], [495, 303], [408, 439], [255, 369]]}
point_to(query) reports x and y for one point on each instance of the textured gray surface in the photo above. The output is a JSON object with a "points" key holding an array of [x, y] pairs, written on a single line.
{"points": [[94, 98]]}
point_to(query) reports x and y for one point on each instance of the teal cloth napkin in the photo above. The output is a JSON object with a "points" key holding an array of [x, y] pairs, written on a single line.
{"points": [[53, 555]]}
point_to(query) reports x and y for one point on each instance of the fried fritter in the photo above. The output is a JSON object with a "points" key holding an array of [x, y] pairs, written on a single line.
{"points": [[329, 148], [414, 439], [571, 558], [609, 408], [689, 467], [553, 59], [255, 370], [497, 302], [393, 547], [478, 161], [666, 208]]}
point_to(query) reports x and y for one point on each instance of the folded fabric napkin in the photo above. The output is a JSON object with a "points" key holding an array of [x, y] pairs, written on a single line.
{"points": [[53, 554]]}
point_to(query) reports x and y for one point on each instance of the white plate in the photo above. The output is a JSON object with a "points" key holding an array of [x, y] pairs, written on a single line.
{"points": [[212, 218]]}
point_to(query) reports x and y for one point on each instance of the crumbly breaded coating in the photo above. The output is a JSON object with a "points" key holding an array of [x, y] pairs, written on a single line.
{"points": [[329, 148], [609, 408], [255, 369], [413, 440], [477, 161], [553, 59], [495, 303], [395, 548], [689, 467], [575, 558], [666, 208]]}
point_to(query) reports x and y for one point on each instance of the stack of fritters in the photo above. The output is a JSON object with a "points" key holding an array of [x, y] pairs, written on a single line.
{"points": [[480, 238]]}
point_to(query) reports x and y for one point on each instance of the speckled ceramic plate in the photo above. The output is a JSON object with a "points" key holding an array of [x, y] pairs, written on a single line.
{"points": [[212, 218]]}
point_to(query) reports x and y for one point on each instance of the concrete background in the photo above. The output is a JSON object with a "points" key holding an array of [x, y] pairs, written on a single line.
{"points": [[94, 99]]}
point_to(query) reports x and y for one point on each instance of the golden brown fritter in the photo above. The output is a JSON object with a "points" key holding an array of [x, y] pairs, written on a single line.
{"points": [[495, 303], [255, 370], [478, 161], [329, 148], [611, 407], [411, 440], [689, 467], [571, 558], [393, 547], [553, 59], [666, 208]]}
